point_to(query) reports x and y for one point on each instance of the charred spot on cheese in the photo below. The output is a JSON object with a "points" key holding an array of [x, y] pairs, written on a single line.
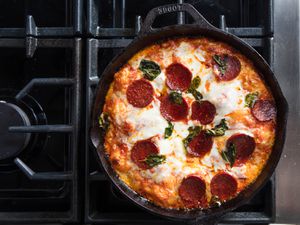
{"points": [[169, 130], [150, 69], [193, 88], [226, 67], [218, 130], [103, 121], [154, 160], [250, 99]]}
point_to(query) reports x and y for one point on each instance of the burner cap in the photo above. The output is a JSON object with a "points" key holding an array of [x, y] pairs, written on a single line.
{"points": [[12, 143]]}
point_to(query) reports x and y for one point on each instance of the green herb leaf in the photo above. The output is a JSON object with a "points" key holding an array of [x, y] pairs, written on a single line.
{"points": [[176, 97], [229, 155], [250, 99], [193, 88], [154, 160], [193, 131], [103, 121], [215, 201], [221, 62], [197, 95], [169, 130], [150, 69], [218, 130], [195, 83]]}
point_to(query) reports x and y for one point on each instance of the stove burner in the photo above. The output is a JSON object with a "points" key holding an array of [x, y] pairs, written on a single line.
{"points": [[12, 143], [24, 112]]}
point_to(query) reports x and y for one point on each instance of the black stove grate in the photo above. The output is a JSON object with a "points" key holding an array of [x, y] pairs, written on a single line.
{"points": [[42, 50], [112, 30], [44, 188], [40, 66], [41, 18]]}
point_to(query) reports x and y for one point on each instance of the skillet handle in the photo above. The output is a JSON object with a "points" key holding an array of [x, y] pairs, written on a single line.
{"points": [[185, 7]]}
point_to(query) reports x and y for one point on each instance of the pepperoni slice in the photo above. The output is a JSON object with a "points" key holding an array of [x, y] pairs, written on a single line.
{"points": [[192, 192], [141, 150], [140, 93], [223, 185], [178, 77], [200, 144], [230, 70], [203, 111], [263, 110], [244, 144], [172, 111]]}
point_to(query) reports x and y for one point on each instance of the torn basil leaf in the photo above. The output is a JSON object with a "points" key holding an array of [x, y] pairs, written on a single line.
{"points": [[229, 155], [193, 131], [150, 69], [221, 63], [104, 121], [195, 83], [193, 88], [169, 130], [154, 160], [176, 97], [197, 95], [218, 130], [250, 99]]}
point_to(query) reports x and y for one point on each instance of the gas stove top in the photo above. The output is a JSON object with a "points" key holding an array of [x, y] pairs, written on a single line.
{"points": [[51, 56]]}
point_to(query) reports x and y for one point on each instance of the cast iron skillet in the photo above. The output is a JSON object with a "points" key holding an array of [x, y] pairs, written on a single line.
{"points": [[201, 27]]}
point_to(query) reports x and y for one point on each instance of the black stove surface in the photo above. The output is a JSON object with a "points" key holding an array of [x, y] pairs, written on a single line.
{"points": [[48, 169]]}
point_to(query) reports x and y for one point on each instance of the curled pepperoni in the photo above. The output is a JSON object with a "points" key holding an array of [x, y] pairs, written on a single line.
{"points": [[140, 93], [263, 110], [244, 145], [178, 77], [192, 192], [172, 111], [200, 144], [226, 67], [141, 150], [203, 111], [223, 185]]}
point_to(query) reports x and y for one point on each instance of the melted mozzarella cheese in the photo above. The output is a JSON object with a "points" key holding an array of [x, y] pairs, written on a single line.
{"points": [[239, 172], [172, 166], [231, 132], [183, 52], [221, 93], [146, 122], [214, 159], [159, 82], [200, 54], [181, 128]]}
